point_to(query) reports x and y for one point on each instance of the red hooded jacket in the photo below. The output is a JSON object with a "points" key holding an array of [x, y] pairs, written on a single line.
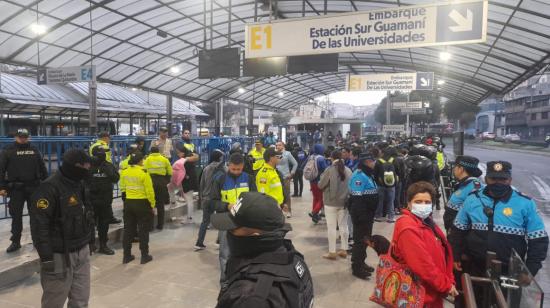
{"points": [[428, 256]]}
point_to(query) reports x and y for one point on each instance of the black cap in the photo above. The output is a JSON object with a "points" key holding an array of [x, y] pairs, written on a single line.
{"points": [[98, 150], [103, 134], [270, 152], [163, 129], [22, 132], [499, 169], [366, 156], [76, 156], [253, 210], [135, 158], [258, 141], [470, 164]]}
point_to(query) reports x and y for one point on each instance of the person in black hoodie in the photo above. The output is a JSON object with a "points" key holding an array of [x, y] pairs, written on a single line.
{"points": [[62, 228], [100, 183], [21, 170]]}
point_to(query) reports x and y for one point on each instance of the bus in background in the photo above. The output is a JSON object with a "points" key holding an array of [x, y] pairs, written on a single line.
{"points": [[441, 128]]}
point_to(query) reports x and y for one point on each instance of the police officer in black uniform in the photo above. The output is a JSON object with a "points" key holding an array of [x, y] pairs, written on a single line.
{"points": [[21, 170], [62, 223], [100, 183]]}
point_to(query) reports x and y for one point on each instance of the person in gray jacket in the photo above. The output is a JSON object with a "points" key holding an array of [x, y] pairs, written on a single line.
{"points": [[287, 168], [334, 184]]}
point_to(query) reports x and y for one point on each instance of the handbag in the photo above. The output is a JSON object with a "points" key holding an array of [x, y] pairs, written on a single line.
{"points": [[396, 285]]}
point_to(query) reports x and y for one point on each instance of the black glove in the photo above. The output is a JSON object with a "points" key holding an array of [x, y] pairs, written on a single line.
{"points": [[123, 196], [47, 266]]}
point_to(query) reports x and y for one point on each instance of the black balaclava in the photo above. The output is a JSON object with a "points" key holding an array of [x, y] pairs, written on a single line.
{"points": [[246, 246], [69, 168]]}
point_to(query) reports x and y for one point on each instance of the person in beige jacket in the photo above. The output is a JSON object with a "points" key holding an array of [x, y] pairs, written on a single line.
{"points": [[334, 184]]}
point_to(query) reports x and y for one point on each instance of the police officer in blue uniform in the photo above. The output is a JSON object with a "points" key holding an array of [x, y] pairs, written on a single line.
{"points": [[498, 218], [362, 207], [466, 171]]}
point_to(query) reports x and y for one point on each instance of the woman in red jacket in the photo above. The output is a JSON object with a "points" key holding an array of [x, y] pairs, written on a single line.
{"points": [[422, 246]]}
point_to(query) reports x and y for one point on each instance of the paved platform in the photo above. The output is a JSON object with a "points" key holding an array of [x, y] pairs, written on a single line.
{"points": [[180, 277]]}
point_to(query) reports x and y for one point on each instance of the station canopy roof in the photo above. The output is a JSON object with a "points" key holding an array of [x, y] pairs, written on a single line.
{"points": [[127, 49], [20, 94]]}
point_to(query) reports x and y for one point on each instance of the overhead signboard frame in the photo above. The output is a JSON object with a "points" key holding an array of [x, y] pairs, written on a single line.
{"points": [[391, 82], [434, 24], [393, 128], [64, 75], [399, 105]]}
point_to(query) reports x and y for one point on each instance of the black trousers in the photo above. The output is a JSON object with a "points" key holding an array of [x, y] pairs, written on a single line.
{"points": [[18, 197], [137, 214], [362, 217], [103, 213], [298, 182], [161, 196]]}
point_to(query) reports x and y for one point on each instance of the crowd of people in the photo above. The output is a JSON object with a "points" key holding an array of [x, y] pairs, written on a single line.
{"points": [[247, 197]]}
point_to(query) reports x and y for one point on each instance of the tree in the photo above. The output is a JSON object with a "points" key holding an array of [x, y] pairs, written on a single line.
{"points": [[462, 112]]}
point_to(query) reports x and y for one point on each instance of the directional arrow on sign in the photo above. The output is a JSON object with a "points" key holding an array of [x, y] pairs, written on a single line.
{"points": [[462, 23]]}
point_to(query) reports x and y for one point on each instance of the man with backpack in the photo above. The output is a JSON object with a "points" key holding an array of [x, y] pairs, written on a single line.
{"points": [[385, 172], [301, 157], [315, 165], [264, 269]]}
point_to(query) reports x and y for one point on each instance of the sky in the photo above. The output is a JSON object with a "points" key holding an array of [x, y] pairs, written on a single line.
{"points": [[358, 98]]}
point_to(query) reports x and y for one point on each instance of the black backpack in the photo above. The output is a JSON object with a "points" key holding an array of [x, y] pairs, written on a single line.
{"points": [[281, 279], [419, 168], [388, 177]]}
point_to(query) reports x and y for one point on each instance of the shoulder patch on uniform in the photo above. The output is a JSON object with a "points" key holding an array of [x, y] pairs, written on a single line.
{"points": [[300, 269], [263, 180], [73, 200], [42, 204], [477, 184], [358, 183], [523, 195], [507, 211]]}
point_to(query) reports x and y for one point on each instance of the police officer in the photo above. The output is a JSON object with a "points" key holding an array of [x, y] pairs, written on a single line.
{"points": [[498, 218], [100, 184], [257, 154], [268, 179], [21, 170], [466, 171], [103, 140], [226, 190], [160, 169], [62, 222], [362, 207], [139, 206]]}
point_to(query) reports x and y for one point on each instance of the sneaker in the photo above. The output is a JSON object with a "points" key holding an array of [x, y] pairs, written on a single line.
{"points": [[288, 214], [146, 259], [331, 256], [369, 268], [104, 249], [199, 247], [114, 221], [128, 259], [13, 247], [361, 274], [390, 220], [378, 219], [342, 253], [160, 227]]}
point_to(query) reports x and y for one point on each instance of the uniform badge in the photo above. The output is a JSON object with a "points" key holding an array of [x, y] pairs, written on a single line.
{"points": [[357, 183], [507, 211], [300, 269], [42, 204], [497, 167], [458, 193], [73, 200], [263, 180], [477, 185]]}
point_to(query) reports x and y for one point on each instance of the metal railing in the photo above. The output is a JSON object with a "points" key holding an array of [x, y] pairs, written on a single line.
{"points": [[53, 148]]}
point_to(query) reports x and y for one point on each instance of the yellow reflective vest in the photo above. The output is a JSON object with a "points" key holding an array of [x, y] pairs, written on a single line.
{"points": [[258, 158], [269, 183], [233, 187], [137, 184], [157, 164], [105, 146], [440, 160]]}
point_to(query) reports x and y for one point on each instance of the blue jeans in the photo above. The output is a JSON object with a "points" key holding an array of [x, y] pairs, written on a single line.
{"points": [[206, 212], [224, 256], [386, 197]]}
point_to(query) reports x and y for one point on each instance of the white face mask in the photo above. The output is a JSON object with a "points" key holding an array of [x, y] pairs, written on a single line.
{"points": [[422, 210]]}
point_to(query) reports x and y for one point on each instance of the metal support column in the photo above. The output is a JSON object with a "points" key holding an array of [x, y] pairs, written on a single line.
{"points": [[169, 118], [92, 97], [388, 111], [131, 125]]}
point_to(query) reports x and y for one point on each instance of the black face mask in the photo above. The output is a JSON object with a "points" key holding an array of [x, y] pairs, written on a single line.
{"points": [[22, 145], [498, 190], [73, 172], [252, 245]]}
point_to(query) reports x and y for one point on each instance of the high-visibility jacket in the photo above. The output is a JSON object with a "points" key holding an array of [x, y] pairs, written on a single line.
{"points": [[258, 158], [157, 164], [137, 184], [440, 160], [269, 183], [105, 146], [233, 187], [124, 163]]}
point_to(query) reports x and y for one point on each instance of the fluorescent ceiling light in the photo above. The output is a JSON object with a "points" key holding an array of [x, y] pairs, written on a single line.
{"points": [[38, 28], [444, 56], [175, 69], [281, 94], [241, 90], [441, 82]]}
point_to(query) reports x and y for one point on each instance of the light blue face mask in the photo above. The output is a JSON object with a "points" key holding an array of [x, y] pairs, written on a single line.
{"points": [[421, 210]]}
